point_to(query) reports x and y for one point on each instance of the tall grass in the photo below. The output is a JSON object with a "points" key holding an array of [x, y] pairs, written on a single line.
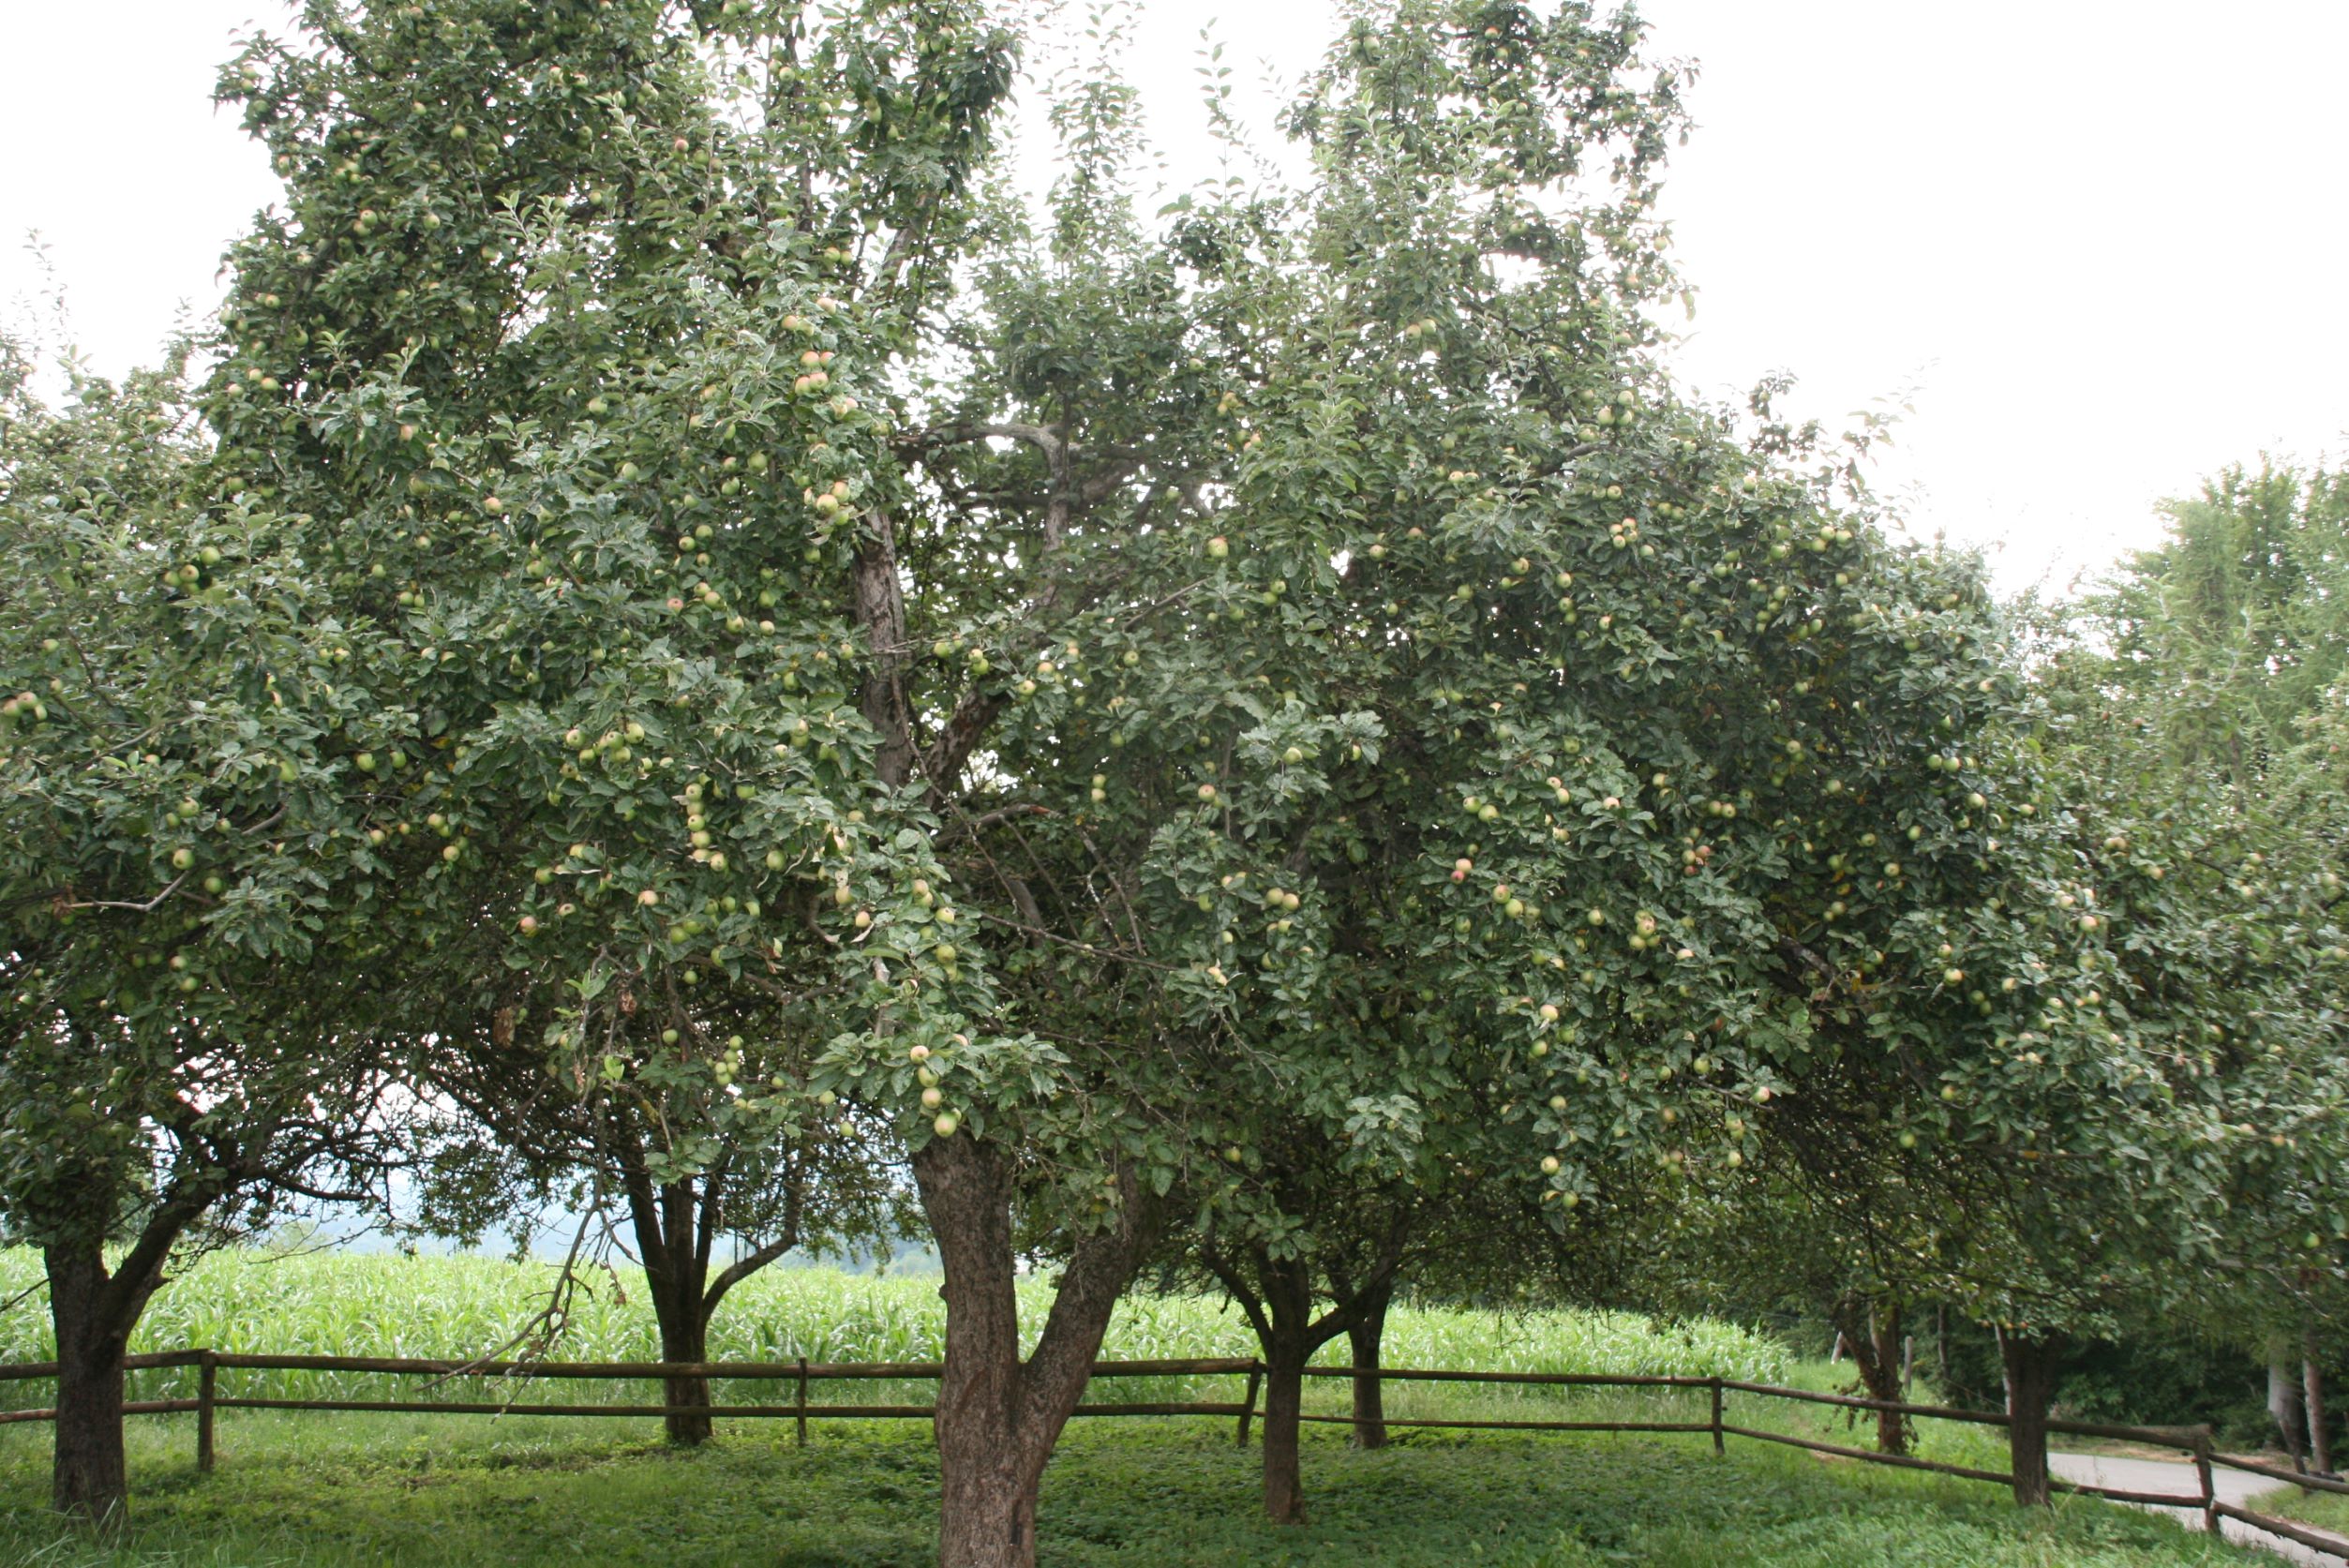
{"points": [[333, 1303], [330, 1303]]}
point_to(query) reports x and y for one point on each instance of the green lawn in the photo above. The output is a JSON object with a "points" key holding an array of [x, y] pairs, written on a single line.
{"points": [[403, 1492]]}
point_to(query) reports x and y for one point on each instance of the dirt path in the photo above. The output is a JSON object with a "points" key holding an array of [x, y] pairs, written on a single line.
{"points": [[2158, 1475]]}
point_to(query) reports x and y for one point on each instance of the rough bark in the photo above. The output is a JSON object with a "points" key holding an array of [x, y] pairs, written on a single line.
{"points": [[2031, 1370], [998, 1416], [93, 1313], [673, 1239], [686, 1336], [880, 610], [1370, 1393], [1285, 1355]]}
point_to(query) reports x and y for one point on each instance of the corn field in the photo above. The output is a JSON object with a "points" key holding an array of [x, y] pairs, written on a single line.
{"points": [[331, 1303]]}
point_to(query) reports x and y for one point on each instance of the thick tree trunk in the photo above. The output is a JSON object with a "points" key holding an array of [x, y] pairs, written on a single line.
{"points": [[1285, 1356], [89, 1478], [93, 1312], [673, 1239], [2030, 1369], [2320, 1442], [997, 1417], [686, 1336], [1369, 1396]]}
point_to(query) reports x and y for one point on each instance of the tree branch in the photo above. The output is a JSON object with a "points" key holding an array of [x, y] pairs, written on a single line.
{"points": [[146, 908]]}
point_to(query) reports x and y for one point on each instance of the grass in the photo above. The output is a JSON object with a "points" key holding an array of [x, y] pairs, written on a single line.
{"points": [[365, 1489], [2323, 1509], [335, 1303], [310, 1491]]}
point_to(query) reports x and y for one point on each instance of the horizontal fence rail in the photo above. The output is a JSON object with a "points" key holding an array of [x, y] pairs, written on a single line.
{"points": [[2194, 1442]]}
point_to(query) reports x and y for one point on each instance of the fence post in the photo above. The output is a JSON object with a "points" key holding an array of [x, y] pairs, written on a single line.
{"points": [[1720, 1438], [207, 1388], [2204, 1440], [1247, 1409], [802, 1401]]}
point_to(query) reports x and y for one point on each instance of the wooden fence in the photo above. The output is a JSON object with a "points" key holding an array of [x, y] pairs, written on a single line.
{"points": [[2194, 1442]]}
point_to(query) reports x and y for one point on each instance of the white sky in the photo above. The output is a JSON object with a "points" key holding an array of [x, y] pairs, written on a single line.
{"points": [[2098, 245]]}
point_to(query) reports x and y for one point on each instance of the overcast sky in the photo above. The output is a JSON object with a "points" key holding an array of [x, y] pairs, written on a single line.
{"points": [[2101, 247]]}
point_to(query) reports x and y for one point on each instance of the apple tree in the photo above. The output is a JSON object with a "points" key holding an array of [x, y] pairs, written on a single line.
{"points": [[2218, 659], [2063, 1099], [180, 1051], [545, 368], [1490, 753]]}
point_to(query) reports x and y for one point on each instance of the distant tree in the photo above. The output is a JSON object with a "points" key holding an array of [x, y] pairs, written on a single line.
{"points": [[1760, 1242], [2220, 661], [772, 1174], [2144, 1125], [2221, 644]]}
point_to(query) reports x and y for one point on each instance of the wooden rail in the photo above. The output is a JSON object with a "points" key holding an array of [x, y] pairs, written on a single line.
{"points": [[2195, 1442]]}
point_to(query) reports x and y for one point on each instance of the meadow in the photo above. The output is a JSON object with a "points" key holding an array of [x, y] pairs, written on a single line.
{"points": [[401, 1491]]}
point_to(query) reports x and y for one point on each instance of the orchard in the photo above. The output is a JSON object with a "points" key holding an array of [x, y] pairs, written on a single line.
{"points": [[679, 648]]}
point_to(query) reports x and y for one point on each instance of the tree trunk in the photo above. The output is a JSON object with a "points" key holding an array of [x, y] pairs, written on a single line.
{"points": [[89, 1478], [1285, 1356], [1892, 1429], [2030, 1369], [686, 1336], [93, 1313], [1872, 1335], [673, 1239], [997, 1417], [1370, 1393], [2320, 1442], [1287, 1336], [2283, 1400]]}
